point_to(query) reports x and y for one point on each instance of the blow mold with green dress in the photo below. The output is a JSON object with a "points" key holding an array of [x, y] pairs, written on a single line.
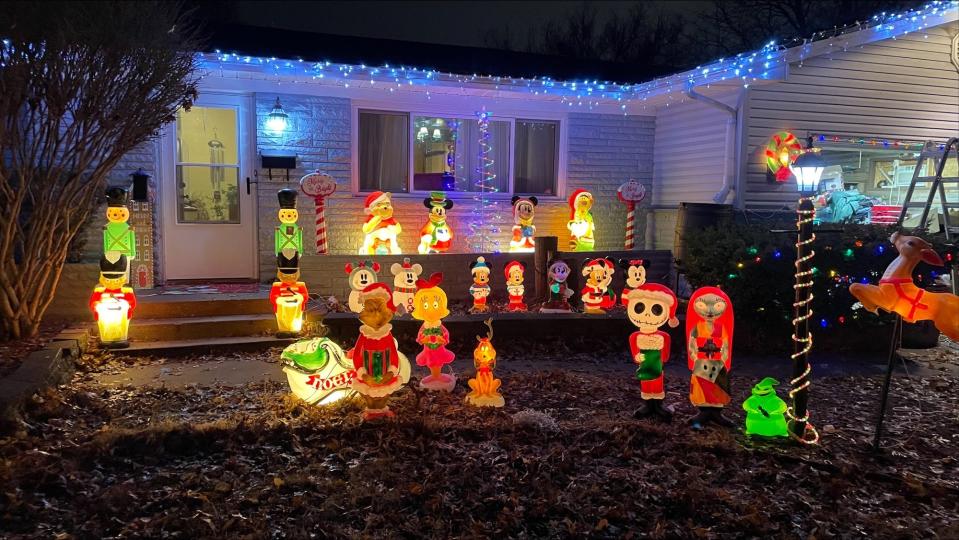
{"points": [[765, 411]]}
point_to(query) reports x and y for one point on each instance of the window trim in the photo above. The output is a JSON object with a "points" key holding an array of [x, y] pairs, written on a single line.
{"points": [[509, 115]]}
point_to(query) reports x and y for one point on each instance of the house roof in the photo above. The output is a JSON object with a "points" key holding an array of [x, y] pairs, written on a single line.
{"points": [[233, 53]]}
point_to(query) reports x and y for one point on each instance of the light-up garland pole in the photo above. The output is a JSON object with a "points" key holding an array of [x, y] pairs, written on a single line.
{"points": [[319, 186], [808, 179], [484, 223], [631, 193]]}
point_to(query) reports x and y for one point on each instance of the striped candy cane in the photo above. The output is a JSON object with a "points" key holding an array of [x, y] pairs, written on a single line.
{"points": [[630, 223], [319, 186], [321, 247], [631, 193]]}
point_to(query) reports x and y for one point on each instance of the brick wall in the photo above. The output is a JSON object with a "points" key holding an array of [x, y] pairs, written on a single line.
{"points": [[603, 151]]}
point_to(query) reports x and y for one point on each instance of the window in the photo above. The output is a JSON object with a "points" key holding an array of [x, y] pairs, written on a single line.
{"points": [[207, 165], [384, 151], [408, 152]]}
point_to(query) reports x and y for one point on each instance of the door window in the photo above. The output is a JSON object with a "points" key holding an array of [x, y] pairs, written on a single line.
{"points": [[207, 165]]}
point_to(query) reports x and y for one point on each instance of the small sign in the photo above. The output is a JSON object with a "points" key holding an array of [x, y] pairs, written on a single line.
{"points": [[318, 184], [632, 191]]}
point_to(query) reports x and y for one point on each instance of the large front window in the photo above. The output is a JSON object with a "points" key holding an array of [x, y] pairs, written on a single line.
{"points": [[409, 152]]}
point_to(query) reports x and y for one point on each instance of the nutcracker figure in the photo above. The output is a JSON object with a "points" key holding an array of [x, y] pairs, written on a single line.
{"points": [[480, 288], [635, 275], [436, 236], [514, 285], [375, 357], [288, 238], [288, 296], [429, 306], [559, 291], [765, 411], [524, 209], [112, 303], [596, 296], [118, 237], [580, 223], [649, 307], [485, 387], [380, 228], [709, 347]]}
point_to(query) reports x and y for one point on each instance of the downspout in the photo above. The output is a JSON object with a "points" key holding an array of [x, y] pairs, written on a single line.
{"points": [[731, 124]]}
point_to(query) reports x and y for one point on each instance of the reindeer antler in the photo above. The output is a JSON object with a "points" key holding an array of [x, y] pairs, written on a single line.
{"points": [[489, 324]]}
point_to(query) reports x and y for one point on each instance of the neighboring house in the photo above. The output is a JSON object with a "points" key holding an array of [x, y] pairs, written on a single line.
{"points": [[695, 136]]}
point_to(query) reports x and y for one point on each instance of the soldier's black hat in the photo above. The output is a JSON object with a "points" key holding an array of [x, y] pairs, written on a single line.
{"points": [[287, 198], [288, 265], [116, 196], [115, 269]]}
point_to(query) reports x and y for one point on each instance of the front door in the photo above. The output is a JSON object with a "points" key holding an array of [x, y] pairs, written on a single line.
{"points": [[209, 222]]}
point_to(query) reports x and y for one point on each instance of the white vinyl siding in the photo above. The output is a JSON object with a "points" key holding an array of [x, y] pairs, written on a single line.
{"points": [[903, 88]]}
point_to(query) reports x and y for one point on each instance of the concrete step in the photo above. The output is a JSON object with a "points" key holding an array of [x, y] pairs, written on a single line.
{"points": [[202, 345], [174, 306], [216, 326]]}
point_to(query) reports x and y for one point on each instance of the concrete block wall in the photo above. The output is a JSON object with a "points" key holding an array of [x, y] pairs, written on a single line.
{"points": [[603, 152]]}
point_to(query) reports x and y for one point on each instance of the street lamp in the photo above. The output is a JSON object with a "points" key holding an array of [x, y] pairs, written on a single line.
{"points": [[807, 169]]}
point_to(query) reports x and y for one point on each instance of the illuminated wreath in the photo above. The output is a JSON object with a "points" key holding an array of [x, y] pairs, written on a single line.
{"points": [[782, 149]]}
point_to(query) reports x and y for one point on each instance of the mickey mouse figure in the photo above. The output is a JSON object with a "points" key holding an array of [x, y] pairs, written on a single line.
{"points": [[635, 276], [649, 307]]}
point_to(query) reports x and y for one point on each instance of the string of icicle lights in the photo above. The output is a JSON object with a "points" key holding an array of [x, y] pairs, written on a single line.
{"points": [[803, 311], [745, 67]]}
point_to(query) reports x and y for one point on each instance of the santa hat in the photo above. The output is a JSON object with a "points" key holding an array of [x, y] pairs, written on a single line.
{"points": [[657, 293], [590, 264], [511, 265], [374, 198], [381, 290], [434, 280], [479, 265], [572, 200]]}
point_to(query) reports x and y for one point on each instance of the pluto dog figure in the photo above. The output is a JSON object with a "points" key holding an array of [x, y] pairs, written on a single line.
{"points": [[635, 276], [484, 387], [514, 271], [380, 228], [596, 296], [362, 275], [649, 307], [430, 306], [436, 236], [524, 232], [404, 284], [897, 292], [580, 222], [375, 357], [480, 288], [709, 344]]}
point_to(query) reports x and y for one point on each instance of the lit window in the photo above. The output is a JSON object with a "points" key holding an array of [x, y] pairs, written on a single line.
{"points": [[384, 151], [446, 154]]}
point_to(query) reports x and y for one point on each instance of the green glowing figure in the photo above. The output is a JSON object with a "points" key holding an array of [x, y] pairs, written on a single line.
{"points": [[765, 411]]}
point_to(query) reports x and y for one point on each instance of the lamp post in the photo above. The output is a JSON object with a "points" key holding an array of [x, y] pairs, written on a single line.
{"points": [[807, 168]]}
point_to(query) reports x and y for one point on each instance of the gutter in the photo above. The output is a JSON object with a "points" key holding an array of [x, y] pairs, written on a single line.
{"points": [[733, 126]]}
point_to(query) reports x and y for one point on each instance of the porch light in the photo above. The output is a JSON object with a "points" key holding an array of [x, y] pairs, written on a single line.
{"points": [[808, 168], [277, 119]]}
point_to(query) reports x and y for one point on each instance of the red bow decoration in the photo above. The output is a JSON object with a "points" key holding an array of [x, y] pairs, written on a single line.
{"points": [[433, 281]]}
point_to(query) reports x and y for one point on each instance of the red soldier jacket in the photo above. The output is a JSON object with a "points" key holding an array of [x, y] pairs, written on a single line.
{"points": [[282, 289], [102, 293]]}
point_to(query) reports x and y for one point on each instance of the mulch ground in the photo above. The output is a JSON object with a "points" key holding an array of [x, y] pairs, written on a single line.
{"points": [[565, 458]]}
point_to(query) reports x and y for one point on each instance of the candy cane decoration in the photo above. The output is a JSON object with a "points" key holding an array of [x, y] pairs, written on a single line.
{"points": [[319, 186], [631, 193]]}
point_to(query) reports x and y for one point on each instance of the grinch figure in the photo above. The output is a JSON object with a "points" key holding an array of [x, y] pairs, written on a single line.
{"points": [[288, 237], [118, 236], [112, 303], [380, 228], [580, 223], [765, 412], [436, 236], [375, 356], [288, 296]]}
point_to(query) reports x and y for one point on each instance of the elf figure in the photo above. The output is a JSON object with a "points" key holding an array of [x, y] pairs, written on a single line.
{"points": [[514, 285], [765, 412], [649, 307], [118, 237], [580, 223], [709, 339], [112, 303], [430, 307], [380, 228], [635, 275], [559, 291], [436, 236], [480, 288], [288, 296], [375, 357], [524, 209], [288, 236], [596, 296]]}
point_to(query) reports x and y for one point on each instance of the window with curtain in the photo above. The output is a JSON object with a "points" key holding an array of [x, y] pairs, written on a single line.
{"points": [[446, 154], [537, 149], [384, 151]]}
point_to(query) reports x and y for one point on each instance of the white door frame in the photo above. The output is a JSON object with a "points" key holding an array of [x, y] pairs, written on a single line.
{"points": [[166, 187]]}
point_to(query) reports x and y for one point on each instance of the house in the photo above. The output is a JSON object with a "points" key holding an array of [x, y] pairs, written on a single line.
{"points": [[868, 94]]}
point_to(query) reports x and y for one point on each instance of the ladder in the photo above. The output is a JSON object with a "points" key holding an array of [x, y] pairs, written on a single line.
{"points": [[937, 184]]}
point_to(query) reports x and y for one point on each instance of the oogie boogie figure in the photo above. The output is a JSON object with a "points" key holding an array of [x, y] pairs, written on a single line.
{"points": [[649, 307], [709, 347]]}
